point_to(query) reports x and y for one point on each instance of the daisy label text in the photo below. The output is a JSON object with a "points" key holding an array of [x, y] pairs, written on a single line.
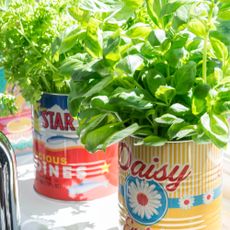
{"points": [[158, 172]]}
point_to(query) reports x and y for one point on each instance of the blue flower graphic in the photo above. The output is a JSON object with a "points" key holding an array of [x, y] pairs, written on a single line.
{"points": [[146, 201]]}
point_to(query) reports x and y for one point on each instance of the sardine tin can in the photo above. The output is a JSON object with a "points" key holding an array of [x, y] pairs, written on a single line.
{"points": [[176, 186], [64, 169]]}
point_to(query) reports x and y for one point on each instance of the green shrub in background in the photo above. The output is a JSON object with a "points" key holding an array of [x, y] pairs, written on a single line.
{"points": [[36, 38], [30, 36]]}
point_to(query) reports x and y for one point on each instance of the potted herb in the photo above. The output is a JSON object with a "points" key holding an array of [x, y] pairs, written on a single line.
{"points": [[36, 38], [7, 104], [160, 85]]}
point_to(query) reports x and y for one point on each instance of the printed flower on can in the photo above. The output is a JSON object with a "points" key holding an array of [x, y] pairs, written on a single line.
{"points": [[146, 201], [208, 197], [186, 202]]}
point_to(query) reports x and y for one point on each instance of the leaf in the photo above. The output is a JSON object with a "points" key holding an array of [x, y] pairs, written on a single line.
{"points": [[74, 105], [128, 9], [102, 103], [186, 132], [224, 1], [143, 132], [83, 75], [168, 119], [70, 41], [93, 40], [103, 67], [165, 93], [222, 107], [224, 12], [180, 41], [88, 124], [179, 109], [216, 77], [194, 44], [174, 129], [165, 46], [184, 78], [111, 51], [152, 141], [201, 91], [171, 8], [216, 129], [181, 16], [133, 4], [219, 124], [153, 79], [99, 5], [73, 63], [95, 139], [132, 100], [157, 37], [224, 94], [99, 86], [198, 105], [139, 31], [147, 50], [130, 64], [174, 56], [153, 9], [219, 48], [197, 27], [122, 134]]}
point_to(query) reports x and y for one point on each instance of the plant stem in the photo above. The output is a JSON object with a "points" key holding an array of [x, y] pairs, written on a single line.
{"points": [[206, 40], [205, 57], [43, 78], [53, 68], [152, 15]]}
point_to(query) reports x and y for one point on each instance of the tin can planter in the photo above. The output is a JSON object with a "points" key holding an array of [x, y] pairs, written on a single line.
{"points": [[175, 186], [64, 169], [226, 177], [17, 127]]}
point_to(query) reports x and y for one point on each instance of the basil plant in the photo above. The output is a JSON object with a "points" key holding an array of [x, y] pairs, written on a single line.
{"points": [[158, 70]]}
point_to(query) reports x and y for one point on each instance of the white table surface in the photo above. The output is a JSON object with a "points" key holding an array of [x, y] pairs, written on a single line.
{"points": [[41, 213]]}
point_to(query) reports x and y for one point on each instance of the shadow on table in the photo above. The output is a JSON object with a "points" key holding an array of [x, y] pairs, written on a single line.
{"points": [[49, 211], [79, 226]]}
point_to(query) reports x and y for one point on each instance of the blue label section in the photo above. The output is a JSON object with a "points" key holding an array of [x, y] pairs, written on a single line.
{"points": [[195, 200], [2, 81], [50, 100]]}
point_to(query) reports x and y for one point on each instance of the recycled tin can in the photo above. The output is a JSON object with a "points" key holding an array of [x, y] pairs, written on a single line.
{"points": [[64, 169], [226, 172], [175, 186], [17, 127]]}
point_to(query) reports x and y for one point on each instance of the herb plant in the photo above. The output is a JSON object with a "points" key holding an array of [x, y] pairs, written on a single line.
{"points": [[31, 45], [7, 105], [159, 71]]}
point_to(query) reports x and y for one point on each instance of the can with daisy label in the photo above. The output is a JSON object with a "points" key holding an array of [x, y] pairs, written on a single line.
{"points": [[65, 170], [175, 186]]}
